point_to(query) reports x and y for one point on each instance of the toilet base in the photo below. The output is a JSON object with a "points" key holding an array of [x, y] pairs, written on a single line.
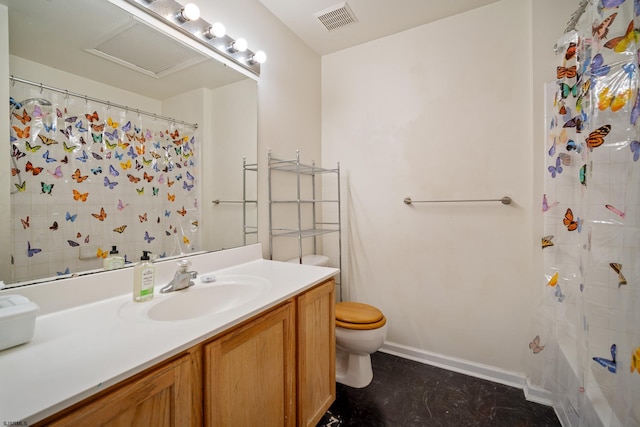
{"points": [[353, 370]]}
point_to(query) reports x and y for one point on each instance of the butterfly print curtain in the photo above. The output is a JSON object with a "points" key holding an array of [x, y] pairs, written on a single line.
{"points": [[590, 329], [87, 177]]}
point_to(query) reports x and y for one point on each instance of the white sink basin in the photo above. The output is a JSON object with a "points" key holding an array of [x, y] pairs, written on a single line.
{"points": [[226, 293]]}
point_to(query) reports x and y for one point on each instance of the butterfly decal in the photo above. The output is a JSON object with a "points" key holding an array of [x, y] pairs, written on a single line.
{"points": [[635, 111], [572, 145], [610, 4], [97, 137], [78, 177], [123, 145], [621, 43], [558, 293], [110, 184], [583, 175], [565, 159], [138, 165], [94, 117], [21, 187], [73, 243], [16, 154], [553, 281], [143, 218], [14, 104], [25, 222], [24, 118], [615, 210], [46, 188], [120, 229], [140, 149], [635, 361], [596, 138], [46, 140], [610, 364], [614, 101], [34, 170], [569, 222], [79, 126], [635, 149], [62, 273], [69, 217], [80, 196], [113, 171], [101, 216], [140, 191], [148, 177], [31, 148], [132, 153], [32, 251], [54, 226], [112, 135], [96, 156], [618, 269], [554, 170], [84, 157], [133, 178], [601, 30], [71, 119], [189, 187], [70, 148], [182, 212], [112, 124], [566, 90], [97, 170], [547, 241], [148, 238], [171, 197], [125, 165], [156, 190], [185, 240], [167, 213], [535, 346], [575, 122], [127, 127], [598, 67], [121, 205], [101, 254], [49, 128]]}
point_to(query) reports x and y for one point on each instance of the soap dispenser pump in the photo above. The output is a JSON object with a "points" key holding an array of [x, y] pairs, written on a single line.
{"points": [[113, 260], [143, 278]]}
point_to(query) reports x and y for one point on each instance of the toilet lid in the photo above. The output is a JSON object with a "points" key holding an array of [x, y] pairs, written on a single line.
{"points": [[356, 315]]}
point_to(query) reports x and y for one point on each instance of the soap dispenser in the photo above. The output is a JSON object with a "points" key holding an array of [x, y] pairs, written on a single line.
{"points": [[144, 276], [113, 260]]}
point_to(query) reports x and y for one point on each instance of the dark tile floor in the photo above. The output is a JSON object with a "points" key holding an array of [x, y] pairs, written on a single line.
{"points": [[408, 393]]}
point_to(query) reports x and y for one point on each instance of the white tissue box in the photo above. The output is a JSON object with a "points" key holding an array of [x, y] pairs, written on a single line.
{"points": [[17, 320]]}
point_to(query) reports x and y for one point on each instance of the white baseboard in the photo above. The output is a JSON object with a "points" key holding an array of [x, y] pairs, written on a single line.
{"points": [[478, 370]]}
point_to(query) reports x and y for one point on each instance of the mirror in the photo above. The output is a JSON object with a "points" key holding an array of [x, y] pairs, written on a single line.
{"points": [[98, 49]]}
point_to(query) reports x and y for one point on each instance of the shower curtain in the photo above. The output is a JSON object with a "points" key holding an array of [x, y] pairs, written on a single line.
{"points": [[87, 176], [590, 336]]}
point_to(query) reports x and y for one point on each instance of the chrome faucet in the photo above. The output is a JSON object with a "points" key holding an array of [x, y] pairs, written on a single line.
{"points": [[182, 279]]}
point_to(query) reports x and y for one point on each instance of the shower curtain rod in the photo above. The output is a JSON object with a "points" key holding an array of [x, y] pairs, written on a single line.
{"points": [[14, 79], [506, 200]]}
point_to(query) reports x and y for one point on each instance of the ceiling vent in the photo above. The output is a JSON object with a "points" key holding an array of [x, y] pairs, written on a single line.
{"points": [[337, 16]]}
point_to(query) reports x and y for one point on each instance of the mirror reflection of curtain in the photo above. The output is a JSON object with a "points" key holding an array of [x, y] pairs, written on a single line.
{"points": [[87, 176], [590, 337]]}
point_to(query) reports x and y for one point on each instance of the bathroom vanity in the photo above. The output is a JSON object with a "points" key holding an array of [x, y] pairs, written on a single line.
{"points": [[264, 360]]}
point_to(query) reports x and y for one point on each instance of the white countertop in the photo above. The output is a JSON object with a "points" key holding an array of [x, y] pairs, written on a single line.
{"points": [[80, 350]]}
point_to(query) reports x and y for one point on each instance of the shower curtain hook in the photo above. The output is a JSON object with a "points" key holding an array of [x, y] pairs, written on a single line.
{"points": [[13, 81], [66, 94], [86, 100], [40, 88], [108, 105]]}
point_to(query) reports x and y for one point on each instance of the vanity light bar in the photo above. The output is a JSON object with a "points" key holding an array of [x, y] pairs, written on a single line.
{"points": [[171, 13]]}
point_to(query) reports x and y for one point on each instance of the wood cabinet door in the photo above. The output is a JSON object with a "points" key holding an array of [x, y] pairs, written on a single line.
{"points": [[249, 373], [316, 353], [158, 398]]}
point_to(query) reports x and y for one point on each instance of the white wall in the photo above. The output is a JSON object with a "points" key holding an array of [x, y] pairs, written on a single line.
{"points": [[441, 111], [288, 89]]}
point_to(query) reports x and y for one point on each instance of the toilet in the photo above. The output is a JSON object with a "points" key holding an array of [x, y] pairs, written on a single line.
{"points": [[360, 330]]}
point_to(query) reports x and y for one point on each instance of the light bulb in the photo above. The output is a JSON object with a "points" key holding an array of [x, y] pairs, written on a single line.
{"points": [[216, 30], [239, 45], [258, 58], [190, 12]]}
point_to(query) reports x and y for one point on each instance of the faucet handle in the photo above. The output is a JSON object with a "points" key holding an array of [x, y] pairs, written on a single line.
{"points": [[183, 265]]}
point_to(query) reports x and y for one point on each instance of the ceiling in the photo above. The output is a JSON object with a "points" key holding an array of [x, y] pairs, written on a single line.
{"points": [[43, 31], [375, 18]]}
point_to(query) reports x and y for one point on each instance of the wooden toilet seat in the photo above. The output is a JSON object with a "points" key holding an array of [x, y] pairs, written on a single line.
{"points": [[356, 315]]}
